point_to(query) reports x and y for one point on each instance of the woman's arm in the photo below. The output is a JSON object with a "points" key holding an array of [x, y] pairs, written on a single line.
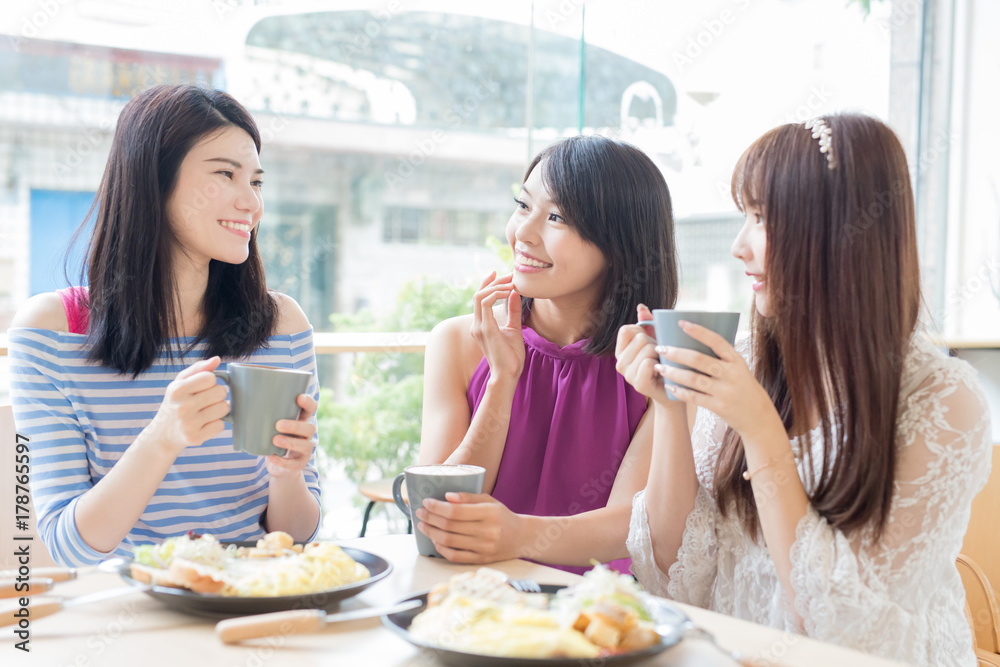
{"points": [[727, 387], [291, 505], [449, 433], [673, 483], [82, 521]]}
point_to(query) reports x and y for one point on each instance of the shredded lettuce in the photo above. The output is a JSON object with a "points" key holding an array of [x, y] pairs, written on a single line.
{"points": [[204, 549]]}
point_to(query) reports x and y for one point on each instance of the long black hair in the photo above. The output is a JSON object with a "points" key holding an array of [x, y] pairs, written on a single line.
{"points": [[613, 195], [132, 294]]}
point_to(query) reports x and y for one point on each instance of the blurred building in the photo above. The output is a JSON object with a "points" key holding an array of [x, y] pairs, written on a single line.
{"points": [[392, 143]]}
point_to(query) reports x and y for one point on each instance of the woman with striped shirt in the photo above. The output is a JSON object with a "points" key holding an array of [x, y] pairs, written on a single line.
{"points": [[113, 384]]}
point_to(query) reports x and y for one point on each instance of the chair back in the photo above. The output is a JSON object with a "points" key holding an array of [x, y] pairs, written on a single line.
{"points": [[979, 566], [15, 537]]}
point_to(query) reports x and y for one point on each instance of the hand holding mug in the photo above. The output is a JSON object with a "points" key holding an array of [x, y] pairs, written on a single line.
{"points": [[434, 481], [192, 410], [470, 528], [296, 437], [636, 357], [262, 398], [722, 383]]}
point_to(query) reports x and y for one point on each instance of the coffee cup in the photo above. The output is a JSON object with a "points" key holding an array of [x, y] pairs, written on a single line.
{"points": [[670, 334], [433, 481], [259, 397]]}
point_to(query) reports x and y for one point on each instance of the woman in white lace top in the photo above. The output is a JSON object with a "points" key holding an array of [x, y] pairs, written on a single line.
{"points": [[826, 484]]}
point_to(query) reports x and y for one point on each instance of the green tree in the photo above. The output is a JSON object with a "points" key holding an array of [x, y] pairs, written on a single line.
{"points": [[374, 431]]}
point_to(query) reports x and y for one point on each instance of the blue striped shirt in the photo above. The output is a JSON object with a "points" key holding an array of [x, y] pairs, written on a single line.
{"points": [[81, 417]]}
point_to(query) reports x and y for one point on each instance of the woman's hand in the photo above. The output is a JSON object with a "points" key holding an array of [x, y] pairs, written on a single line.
{"points": [[471, 528], [192, 409], [296, 437], [637, 358], [503, 346], [726, 386]]}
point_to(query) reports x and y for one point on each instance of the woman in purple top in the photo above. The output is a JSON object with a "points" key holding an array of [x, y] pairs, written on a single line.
{"points": [[535, 398]]}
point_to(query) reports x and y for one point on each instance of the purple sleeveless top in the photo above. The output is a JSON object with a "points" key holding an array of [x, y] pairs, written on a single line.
{"points": [[572, 420]]}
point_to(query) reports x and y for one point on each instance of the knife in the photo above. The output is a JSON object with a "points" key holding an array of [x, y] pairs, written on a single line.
{"points": [[299, 621], [42, 579], [46, 606], [16, 588], [56, 574]]}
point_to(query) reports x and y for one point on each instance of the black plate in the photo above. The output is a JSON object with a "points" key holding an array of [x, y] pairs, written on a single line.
{"points": [[669, 620], [204, 604]]}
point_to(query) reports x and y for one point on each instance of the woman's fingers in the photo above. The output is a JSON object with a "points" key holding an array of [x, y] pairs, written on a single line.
{"points": [[308, 405], [693, 359], [690, 379], [295, 428], [209, 365], [486, 315], [714, 341], [450, 540], [489, 279], [514, 311]]}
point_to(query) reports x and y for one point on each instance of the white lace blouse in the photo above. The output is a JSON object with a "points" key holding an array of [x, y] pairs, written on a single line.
{"points": [[899, 597]]}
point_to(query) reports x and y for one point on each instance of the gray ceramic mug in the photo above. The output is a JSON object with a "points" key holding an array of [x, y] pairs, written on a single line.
{"points": [[433, 481], [669, 333], [259, 397]]}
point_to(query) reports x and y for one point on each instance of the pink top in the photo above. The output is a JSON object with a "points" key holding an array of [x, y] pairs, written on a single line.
{"points": [[75, 301]]}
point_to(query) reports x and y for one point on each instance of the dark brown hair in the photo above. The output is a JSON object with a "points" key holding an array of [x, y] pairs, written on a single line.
{"points": [[132, 292], [613, 195], [844, 287]]}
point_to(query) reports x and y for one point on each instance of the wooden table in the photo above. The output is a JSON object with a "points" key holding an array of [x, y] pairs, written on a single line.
{"points": [[136, 630]]}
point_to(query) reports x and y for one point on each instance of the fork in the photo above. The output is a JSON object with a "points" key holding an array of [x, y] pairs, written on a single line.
{"points": [[525, 585], [695, 632]]}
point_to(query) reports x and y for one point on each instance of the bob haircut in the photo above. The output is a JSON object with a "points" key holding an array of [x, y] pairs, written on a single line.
{"points": [[844, 286], [132, 288], [613, 195]]}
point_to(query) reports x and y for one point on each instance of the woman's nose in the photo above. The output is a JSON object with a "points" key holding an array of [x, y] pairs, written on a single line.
{"points": [[526, 230], [740, 246], [249, 200]]}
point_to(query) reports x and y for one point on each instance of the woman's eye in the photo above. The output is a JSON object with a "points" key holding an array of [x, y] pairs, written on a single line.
{"points": [[520, 204], [555, 218], [257, 184], [227, 174]]}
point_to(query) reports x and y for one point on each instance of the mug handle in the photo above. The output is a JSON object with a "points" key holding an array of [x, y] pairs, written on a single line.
{"points": [[224, 376], [645, 323], [397, 494]]}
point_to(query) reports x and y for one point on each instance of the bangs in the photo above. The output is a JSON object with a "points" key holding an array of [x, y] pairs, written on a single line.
{"points": [[747, 185]]}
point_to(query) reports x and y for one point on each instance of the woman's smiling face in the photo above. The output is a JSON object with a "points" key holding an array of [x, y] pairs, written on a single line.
{"points": [[551, 260], [216, 201]]}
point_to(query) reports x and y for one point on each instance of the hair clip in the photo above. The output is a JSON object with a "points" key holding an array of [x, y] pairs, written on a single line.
{"points": [[821, 131]]}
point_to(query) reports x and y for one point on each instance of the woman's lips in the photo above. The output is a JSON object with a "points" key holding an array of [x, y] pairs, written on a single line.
{"points": [[527, 264]]}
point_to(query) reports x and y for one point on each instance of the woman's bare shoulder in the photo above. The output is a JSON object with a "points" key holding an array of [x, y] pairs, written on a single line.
{"points": [[453, 338], [291, 318], [42, 311]]}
